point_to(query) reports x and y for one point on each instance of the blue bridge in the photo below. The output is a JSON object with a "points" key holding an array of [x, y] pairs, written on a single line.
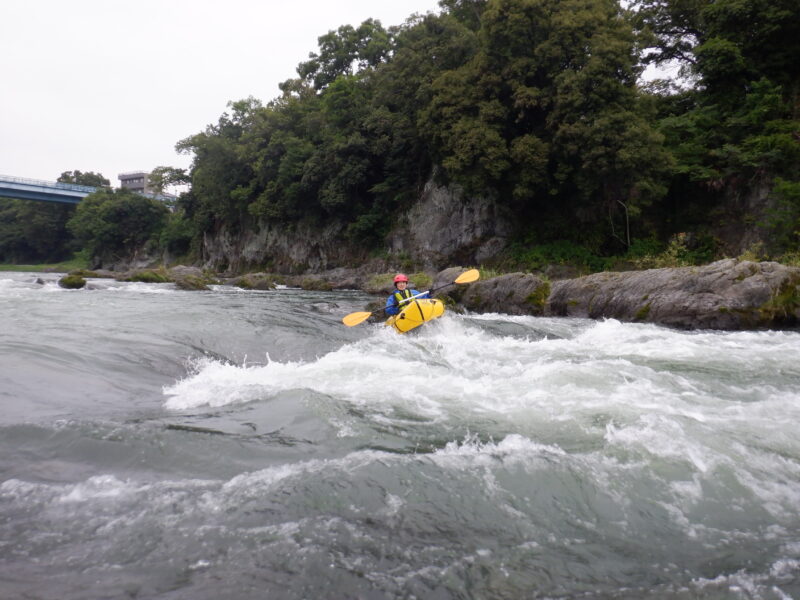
{"points": [[45, 191]]}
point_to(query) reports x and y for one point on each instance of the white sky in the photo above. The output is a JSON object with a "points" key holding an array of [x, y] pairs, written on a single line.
{"points": [[111, 85]]}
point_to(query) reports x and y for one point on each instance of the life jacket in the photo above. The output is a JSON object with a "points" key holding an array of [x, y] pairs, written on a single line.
{"points": [[400, 296]]}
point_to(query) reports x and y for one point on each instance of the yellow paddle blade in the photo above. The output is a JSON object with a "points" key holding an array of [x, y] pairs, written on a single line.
{"points": [[468, 276], [355, 318]]}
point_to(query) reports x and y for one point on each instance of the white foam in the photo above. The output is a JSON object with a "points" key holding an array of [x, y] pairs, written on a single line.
{"points": [[640, 392], [101, 486], [455, 369], [142, 288], [512, 446]]}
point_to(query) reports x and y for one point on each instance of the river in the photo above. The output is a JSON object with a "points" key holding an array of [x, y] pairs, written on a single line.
{"points": [[158, 443]]}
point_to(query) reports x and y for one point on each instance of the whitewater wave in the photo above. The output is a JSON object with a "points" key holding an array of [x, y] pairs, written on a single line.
{"points": [[455, 364]]}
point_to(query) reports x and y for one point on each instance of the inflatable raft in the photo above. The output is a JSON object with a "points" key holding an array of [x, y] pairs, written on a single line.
{"points": [[415, 313]]}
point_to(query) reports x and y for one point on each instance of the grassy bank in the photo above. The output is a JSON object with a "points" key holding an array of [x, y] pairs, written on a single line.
{"points": [[65, 266]]}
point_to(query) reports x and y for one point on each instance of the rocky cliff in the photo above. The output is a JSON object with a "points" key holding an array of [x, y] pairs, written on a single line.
{"points": [[297, 248], [445, 228], [442, 228]]}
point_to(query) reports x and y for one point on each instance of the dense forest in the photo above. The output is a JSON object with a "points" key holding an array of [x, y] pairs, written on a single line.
{"points": [[538, 104]]}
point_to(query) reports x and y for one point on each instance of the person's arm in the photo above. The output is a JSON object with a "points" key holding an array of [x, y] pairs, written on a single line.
{"points": [[391, 306]]}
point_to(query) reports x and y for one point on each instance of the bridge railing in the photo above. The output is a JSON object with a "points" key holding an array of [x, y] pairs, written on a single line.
{"points": [[48, 184]]}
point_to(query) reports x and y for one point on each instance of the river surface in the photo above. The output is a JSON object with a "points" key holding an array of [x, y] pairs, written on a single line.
{"points": [[156, 443]]}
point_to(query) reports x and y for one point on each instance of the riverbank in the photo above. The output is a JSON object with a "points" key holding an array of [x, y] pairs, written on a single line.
{"points": [[730, 294], [59, 267]]}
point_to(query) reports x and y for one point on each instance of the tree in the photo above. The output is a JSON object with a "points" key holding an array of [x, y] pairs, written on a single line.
{"points": [[468, 12], [221, 174], [346, 50], [116, 224], [33, 232], [163, 177], [545, 114], [90, 178], [736, 129]]}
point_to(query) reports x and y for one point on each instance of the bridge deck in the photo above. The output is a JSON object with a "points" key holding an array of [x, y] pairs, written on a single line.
{"points": [[47, 191]]}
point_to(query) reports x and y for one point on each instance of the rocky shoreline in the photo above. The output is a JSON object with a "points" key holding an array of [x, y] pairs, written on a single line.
{"points": [[728, 294]]}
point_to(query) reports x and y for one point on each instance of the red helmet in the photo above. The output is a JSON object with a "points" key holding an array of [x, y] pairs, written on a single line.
{"points": [[400, 277]]}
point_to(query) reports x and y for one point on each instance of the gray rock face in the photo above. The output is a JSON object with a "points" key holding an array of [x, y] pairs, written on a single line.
{"points": [[296, 249], [441, 228], [726, 294], [444, 227], [184, 271], [513, 293]]}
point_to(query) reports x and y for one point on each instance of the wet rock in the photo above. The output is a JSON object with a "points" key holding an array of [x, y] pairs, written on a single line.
{"points": [[446, 277], [727, 294], [512, 293], [144, 276], [104, 274], [254, 281], [72, 282], [191, 278], [192, 283], [315, 284]]}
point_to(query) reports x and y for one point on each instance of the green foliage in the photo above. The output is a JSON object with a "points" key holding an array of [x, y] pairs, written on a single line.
{"points": [[89, 178], [79, 261], [538, 298], [163, 177], [365, 47], [488, 273], [531, 102], [649, 254], [783, 219], [34, 231], [784, 304], [738, 126], [754, 253], [535, 257], [111, 223], [545, 113], [791, 259], [221, 177], [177, 233], [384, 282]]}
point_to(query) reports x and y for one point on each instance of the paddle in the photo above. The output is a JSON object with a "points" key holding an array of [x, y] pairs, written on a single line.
{"points": [[359, 317]]}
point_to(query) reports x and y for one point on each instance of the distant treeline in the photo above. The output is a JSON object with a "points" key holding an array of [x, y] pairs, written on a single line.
{"points": [[539, 104]]}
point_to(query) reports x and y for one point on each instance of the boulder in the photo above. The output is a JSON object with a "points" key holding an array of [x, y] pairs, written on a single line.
{"points": [[254, 281], [727, 294], [192, 283], [144, 276], [72, 282], [512, 293]]}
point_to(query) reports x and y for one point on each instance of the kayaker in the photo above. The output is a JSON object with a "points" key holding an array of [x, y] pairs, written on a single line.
{"points": [[393, 302]]}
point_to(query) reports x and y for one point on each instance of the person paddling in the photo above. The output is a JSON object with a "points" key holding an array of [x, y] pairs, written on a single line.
{"points": [[394, 303]]}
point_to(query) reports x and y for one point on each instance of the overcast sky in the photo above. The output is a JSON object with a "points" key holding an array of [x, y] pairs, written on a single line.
{"points": [[111, 85]]}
